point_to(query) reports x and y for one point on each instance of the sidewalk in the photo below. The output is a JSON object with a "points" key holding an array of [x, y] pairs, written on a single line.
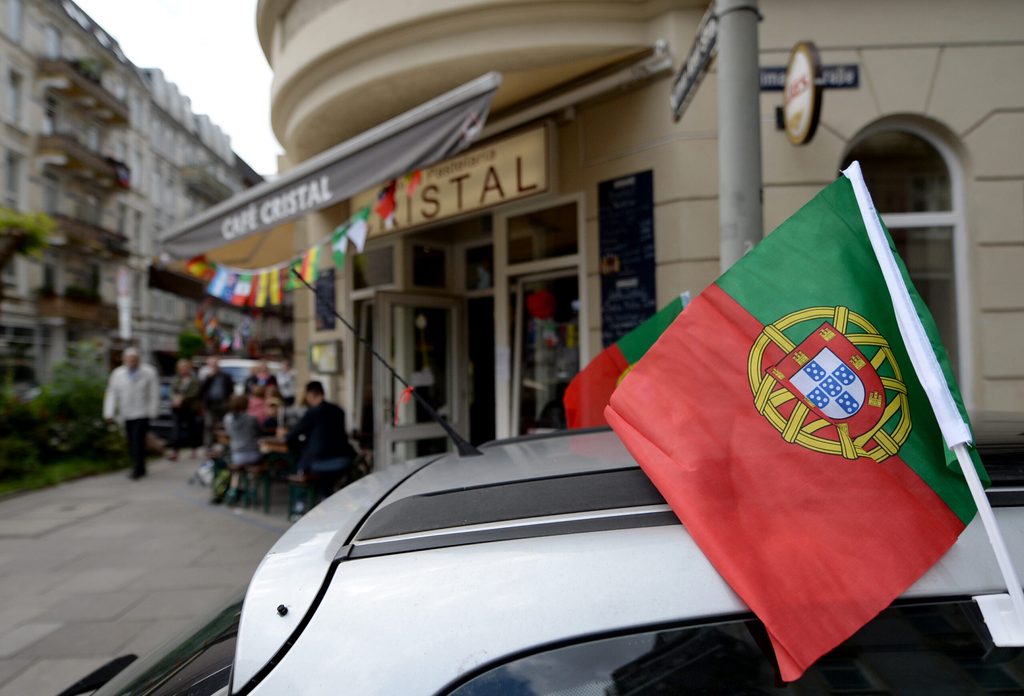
{"points": [[105, 566]]}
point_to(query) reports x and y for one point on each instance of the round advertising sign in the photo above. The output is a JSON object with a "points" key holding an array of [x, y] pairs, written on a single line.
{"points": [[801, 98]]}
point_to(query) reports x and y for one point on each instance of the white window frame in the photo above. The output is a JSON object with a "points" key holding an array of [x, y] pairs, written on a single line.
{"points": [[15, 96], [954, 218], [12, 184], [53, 42], [15, 20]]}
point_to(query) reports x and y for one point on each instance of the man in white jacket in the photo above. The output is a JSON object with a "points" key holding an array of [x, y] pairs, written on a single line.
{"points": [[133, 397]]}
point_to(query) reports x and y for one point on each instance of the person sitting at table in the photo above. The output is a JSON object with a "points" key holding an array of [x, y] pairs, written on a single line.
{"points": [[258, 403], [273, 424], [243, 431], [320, 442]]}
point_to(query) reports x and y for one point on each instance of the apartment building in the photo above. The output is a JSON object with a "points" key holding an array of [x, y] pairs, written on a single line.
{"points": [[114, 154]]}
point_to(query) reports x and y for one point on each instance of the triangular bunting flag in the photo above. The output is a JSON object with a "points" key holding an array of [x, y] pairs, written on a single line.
{"points": [[358, 230], [309, 264], [200, 267], [274, 277], [243, 288], [412, 182], [385, 207], [219, 283], [338, 243], [292, 281], [262, 289]]}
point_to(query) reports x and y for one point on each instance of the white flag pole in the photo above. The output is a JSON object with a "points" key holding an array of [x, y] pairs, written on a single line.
{"points": [[1004, 615]]}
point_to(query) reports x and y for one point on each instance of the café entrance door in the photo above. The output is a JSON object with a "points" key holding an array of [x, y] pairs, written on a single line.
{"points": [[422, 336]]}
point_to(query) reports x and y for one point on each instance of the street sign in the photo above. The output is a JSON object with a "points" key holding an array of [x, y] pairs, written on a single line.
{"points": [[696, 64]]}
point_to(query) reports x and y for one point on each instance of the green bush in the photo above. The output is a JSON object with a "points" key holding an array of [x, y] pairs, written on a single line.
{"points": [[190, 344], [70, 408], [18, 457]]}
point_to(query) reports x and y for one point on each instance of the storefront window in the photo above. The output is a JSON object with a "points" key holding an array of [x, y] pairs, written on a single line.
{"points": [[429, 266], [548, 353], [373, 268], [479, 268], [542, 234], [420, 345], [908, 177]]}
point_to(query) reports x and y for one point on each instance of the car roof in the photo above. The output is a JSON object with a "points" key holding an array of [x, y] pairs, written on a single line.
{"points": [[563, 530]]}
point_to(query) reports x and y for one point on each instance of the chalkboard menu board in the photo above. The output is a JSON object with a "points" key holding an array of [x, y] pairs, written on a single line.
{"points": [[325, 300], [626, 224]]}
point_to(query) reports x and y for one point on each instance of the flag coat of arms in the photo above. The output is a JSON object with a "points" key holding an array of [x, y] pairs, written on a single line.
{"points": [[783, 421]]}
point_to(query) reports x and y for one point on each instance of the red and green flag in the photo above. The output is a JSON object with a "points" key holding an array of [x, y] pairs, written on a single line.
{"points": [[589, 391], [782, 418]]}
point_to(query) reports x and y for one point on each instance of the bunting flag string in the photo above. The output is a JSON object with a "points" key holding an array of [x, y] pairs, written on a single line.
{"points": [[261, 286]]}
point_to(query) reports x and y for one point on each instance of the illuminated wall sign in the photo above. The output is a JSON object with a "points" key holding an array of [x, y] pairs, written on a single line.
{"points": [[495, 173], [801, 95]]}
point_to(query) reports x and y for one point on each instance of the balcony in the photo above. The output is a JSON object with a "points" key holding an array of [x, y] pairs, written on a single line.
{"points": [[64, 150], [79, 81], [204, 183], [75, 309], [90, 236]]}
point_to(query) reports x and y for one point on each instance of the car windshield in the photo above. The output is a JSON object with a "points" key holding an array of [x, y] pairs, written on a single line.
{"points": [[197, 662]]}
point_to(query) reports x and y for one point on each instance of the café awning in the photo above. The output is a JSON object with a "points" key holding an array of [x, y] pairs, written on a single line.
{"points": [[431, 132]]}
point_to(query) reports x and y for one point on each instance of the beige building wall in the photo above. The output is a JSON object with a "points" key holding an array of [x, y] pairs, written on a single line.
{"points": [[947, 70]]}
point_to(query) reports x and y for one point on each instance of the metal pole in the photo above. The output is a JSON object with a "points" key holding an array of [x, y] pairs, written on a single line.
{"points": [[739, 130]]}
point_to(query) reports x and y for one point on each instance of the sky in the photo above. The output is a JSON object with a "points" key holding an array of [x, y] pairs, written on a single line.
{"points": [[210, 50]]}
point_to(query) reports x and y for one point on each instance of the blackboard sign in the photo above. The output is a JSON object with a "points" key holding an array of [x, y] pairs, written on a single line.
{"points": [[626, 223], [325, 300]]}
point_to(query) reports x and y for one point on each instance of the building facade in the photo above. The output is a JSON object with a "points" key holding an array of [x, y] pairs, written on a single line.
{"points": [[114, 154], [504, 272]]}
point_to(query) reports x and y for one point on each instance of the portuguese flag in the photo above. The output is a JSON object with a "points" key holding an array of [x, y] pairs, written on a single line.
{"points": [[782, 418], [589, 391]]}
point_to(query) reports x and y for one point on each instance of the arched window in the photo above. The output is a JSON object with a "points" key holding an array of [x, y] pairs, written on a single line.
{"points": [[915, 192]]}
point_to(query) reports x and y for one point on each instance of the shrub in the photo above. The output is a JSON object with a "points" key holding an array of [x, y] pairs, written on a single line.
{"points": [[18, 457], [70, 407]]}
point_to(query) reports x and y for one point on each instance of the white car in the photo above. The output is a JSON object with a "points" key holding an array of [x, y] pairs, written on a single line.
{"points": [[551, 565]]}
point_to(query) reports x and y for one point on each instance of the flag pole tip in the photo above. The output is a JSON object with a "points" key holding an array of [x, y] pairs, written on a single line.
{"points": [[1004, 624]]}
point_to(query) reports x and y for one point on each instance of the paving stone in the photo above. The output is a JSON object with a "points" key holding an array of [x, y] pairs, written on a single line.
{"points": [[13, 640], [31, 527], [97, 580], [11, 667], [52, 676], [104, 566]]}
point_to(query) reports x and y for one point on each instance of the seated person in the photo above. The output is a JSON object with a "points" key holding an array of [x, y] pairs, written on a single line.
{"points": [[244, 432], [273, 425], [258, 403], [320, 440]]}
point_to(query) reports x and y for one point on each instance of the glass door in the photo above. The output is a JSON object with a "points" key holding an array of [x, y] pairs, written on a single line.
{"points": [[546, 341], [422, 337]]}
